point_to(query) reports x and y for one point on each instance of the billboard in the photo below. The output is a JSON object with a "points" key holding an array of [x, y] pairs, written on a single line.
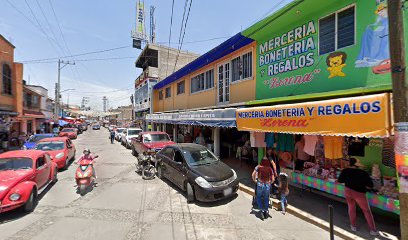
{"points": [[140, 20]]}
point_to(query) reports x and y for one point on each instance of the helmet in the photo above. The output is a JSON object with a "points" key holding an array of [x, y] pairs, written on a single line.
{"points": [[87, 150]]}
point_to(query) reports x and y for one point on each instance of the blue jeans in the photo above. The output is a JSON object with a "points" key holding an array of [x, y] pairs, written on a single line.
{"points": [[283, 201], [262, 195]]}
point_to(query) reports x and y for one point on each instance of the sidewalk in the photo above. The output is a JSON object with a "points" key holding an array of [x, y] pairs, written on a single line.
{"points": [[315, 204]]}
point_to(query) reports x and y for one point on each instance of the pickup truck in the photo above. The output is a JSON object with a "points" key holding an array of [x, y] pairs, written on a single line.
{"points": [[150, 141]]}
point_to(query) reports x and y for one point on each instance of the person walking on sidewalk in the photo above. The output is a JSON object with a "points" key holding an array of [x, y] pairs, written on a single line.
{"points": [[112, 136], [274, 159], [263, 177], [357, 181], [283, 188]]}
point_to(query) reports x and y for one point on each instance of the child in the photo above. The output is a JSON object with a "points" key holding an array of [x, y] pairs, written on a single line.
{"points": [[283, 190]]}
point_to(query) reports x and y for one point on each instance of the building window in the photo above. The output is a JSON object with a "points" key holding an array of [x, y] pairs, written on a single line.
{"points": [[29, 100], [161, 95], [7, 89], [202, 81], [181, 87], [241, 67], [337, 31], [168, 92], [35, 101]]}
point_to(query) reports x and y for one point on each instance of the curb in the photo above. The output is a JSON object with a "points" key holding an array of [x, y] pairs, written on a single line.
{"points": [[307, 217]]}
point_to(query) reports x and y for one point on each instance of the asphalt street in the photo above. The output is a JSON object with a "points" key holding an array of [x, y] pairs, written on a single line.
{"points": [[124, 206]]}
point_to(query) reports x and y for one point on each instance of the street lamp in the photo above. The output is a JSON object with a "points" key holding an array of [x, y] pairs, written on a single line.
{"points": [[69, 89]]}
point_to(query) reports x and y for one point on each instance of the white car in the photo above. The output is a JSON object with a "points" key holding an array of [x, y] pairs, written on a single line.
{"points": [[111, 127], [119, 134], [128, 134]]}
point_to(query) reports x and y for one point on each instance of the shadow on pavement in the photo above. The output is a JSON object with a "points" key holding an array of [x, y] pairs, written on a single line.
{"points": [[18, 213]]}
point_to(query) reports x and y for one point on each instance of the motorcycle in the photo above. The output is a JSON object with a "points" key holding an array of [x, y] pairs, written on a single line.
{"points": [[84, 175], [145, 165]]}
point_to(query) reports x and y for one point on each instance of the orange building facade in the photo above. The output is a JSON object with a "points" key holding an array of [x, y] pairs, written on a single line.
{"points": [[11, 92]]}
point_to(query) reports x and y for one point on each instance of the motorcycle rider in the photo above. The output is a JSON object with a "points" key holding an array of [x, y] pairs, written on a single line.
{"points": [[88, 156]]}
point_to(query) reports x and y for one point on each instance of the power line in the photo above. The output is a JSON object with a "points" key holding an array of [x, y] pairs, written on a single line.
{"points": [[41, 27], [198, 41], [49, 25], [63, 39], [171, 25], [182, 21], [184, 33], [76, 55], [119, 90], [59, 27], [83, 60]]}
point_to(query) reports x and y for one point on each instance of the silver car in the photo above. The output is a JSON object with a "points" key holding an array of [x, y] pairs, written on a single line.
{"points": [[128, 134]]}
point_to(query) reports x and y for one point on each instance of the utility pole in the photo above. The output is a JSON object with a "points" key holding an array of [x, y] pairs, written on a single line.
{"points": [[105, 103], [133, 107], [58, 88], [400, 101], [152, 25]]}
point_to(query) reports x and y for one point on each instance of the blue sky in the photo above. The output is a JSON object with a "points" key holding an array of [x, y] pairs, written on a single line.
{"points": [[94, 25]]}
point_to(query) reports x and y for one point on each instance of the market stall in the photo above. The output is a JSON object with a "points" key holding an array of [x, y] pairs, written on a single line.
{"points": [[315, 140]]}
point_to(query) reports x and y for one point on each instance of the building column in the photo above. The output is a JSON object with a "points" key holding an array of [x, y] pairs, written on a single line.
{"points": [[34, 125], [174, 133], [23, 126], [217, 141]]}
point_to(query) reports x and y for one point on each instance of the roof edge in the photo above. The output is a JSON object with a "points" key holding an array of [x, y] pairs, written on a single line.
{"points": [[7, 41], [230, 45]]}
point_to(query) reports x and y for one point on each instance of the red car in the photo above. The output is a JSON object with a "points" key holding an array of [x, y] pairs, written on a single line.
{"points": [[61, 150], [71, 133], [24, 174], [150, 141]]}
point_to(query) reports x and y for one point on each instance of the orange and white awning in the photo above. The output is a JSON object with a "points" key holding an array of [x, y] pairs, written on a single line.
{"points": [[365, 116]]}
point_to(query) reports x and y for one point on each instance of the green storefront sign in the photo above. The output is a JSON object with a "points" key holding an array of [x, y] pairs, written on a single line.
{"points": [[314, 46]]}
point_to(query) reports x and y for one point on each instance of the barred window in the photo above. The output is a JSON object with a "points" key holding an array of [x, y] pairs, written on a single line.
{"points": [[181, 87], [7, 89], [337, 31], [202, 81], [241, 67], [168, 92]]}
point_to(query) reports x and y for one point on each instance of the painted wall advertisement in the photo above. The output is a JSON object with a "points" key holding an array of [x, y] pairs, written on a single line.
{"points": [[289, 61]]}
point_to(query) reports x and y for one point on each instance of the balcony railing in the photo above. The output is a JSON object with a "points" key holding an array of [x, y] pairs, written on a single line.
{"points": [[148, 73]]}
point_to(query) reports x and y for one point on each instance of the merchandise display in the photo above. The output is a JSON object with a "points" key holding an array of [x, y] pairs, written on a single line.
{"points": [[384, 202]]}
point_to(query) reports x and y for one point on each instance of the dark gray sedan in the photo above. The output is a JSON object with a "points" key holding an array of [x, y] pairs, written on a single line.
{"points": [[196, 170]]}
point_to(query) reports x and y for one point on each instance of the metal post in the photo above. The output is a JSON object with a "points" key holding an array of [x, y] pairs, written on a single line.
{"points": [[57, 93], [331, 222], [58, 88]]}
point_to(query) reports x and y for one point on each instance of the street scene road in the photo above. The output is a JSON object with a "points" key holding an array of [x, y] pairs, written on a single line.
{"points": [[152, 119], [124, 206]]}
